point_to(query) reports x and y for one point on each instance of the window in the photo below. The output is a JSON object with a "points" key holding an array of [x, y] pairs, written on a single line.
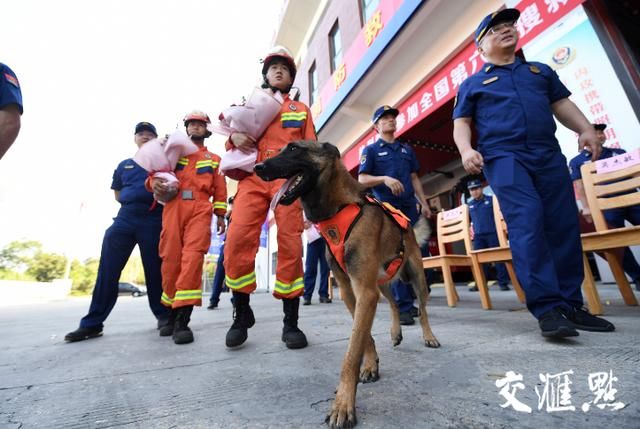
{"points": [[313, 84], [335, 47], [367, 7]]}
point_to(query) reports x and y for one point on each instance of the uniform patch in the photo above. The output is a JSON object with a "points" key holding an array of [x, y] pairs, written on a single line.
{"points": [[363, 159], [292, 107], [207, 155], [534, 69], [488, 81], [12, 80], [455, 100], [128, 166]]}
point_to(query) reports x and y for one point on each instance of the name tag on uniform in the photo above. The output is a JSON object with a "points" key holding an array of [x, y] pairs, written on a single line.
{"points": [[187, 194], [488, 81], [127, 167], [383, 153]]}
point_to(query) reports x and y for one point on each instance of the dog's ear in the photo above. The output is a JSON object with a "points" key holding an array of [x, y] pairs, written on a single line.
{"points": [[328, 147]]}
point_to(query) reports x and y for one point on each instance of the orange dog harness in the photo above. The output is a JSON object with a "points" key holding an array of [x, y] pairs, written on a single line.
{"points": [[336, 231]]}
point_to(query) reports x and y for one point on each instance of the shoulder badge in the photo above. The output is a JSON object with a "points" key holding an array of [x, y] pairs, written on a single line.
{"points": [[488, 81], [207, 155], [363, 158], [292, 107], [534, 69]]}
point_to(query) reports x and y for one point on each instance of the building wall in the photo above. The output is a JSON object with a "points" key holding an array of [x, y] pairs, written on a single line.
{"points": [[347, 12]]}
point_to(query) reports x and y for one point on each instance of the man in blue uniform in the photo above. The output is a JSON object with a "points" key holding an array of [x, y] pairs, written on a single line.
{"points": [[10, 108], [484, 230], [136, 223], [512, 104], [615, 217], [391, 168]]}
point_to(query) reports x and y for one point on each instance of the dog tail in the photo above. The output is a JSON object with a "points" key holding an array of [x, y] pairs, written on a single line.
{"points": [[422, 231]]}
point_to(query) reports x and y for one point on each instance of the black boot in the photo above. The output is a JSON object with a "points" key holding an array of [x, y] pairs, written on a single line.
{"points": [[181, 332], [293, 337], [242, 320], [167, 329]]}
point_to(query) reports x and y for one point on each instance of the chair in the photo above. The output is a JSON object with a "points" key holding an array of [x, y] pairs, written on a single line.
{"points": [[598, 189], [453, 226], [501, 253]]}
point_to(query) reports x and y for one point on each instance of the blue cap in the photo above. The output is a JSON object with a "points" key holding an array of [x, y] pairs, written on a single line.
{"points": [[146, 126], [384, 110], [504, 15], [474, 184]]}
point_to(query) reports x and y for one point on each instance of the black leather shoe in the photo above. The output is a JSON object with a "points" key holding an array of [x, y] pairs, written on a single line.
{"points": [[212, 306], [325, 300], [414, 312], [553, 324], [505, 287], [307, 301], [637, 283], [586, 321], [473, 289], [406, 318], [82, 334]]}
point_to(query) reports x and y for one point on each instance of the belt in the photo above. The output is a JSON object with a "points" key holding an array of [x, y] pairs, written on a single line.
{"points": [[188, 194]]}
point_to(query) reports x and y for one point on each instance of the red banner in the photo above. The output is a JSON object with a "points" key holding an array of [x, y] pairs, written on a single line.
{"points": [[536, 16]]}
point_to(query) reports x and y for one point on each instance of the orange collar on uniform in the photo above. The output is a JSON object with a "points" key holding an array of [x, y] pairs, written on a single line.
{"points": [[336, 231]]}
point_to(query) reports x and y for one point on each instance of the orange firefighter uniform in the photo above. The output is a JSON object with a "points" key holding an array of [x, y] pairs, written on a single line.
{"points": [[186, 230], [251, 206]]}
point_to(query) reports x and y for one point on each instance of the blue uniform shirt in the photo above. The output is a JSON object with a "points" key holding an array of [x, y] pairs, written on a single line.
{"points": [[395, 160], [481, 212], [510, 106], [9, 88], [129, 179], [585, 156]]}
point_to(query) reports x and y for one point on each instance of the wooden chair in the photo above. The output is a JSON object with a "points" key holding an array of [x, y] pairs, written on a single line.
{"points": [[597, 188], [453, 226], [501, 253]]}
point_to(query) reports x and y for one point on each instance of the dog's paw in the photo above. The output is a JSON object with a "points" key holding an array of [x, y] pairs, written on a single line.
{"points": [[397, 339], [341, 416], [432, 343], [369, 375]]}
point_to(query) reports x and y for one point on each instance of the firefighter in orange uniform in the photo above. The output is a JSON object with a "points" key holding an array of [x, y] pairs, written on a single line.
{"points": [[251, 206], [186, 231]]}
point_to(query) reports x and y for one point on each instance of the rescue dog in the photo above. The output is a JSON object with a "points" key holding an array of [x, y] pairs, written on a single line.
{"points": [[318, 177]]}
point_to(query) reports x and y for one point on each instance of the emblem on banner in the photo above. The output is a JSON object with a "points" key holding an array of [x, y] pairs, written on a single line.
{"points": [[562, 57]]}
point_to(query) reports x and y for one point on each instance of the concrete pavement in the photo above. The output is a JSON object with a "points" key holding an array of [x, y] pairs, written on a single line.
{"points": [[132, 378]]}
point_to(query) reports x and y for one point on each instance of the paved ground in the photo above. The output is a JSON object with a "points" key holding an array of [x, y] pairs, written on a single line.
{"points": [[132, 378]]}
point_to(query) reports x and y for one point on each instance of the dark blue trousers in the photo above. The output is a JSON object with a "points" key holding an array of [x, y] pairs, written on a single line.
{"points": [[538, 203], [315, 255], [615, 218], [485, 241], [403, 292], [218, 279], [117, 245]]}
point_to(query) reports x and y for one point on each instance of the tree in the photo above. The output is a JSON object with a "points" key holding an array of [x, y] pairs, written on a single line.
{"points": [[45, 267], [16, 255], [83, 276]]}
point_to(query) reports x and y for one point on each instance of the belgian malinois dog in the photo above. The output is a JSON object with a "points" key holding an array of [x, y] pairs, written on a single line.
{"points": [[319, 178]]}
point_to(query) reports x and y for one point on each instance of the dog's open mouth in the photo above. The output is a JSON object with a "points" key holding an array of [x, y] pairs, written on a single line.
{"points": [[288, 192]]}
